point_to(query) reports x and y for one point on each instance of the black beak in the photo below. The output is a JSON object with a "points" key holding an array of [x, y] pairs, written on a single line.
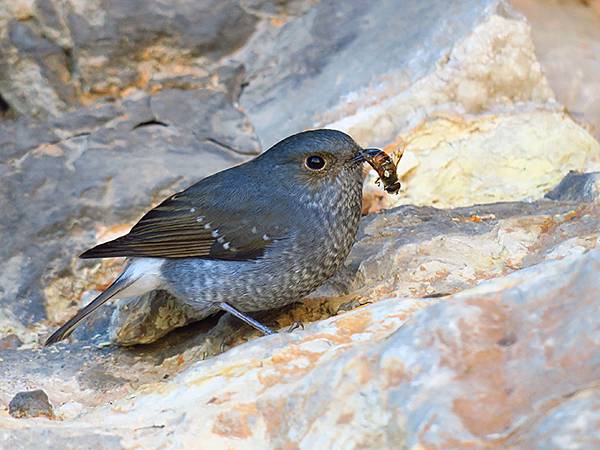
{"points": [[364, 154]]}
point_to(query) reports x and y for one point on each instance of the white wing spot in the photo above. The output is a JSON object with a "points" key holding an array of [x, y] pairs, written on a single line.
{"points": [[207, 226], [215, 233], [226, 245], [253, 230], [265, 237], [199, 218], [193, 210]]}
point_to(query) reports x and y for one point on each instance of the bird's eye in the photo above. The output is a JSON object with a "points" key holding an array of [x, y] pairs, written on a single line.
{"points": [[315, 162]]}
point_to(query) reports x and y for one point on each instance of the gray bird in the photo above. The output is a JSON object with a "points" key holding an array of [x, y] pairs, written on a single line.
{"points": [[258, 236]]}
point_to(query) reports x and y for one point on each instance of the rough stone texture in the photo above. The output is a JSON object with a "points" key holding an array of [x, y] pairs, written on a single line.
{"points": [[56, 54], [145, 319], [570, 58], [278, 8], [395, 374], [577, 186], [478, 57], [30, 404], [10, 341], [470, 327], [59, 179], [454, 161]]}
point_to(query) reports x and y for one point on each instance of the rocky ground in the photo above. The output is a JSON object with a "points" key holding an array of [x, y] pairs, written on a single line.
{"points": [[465, 316]]}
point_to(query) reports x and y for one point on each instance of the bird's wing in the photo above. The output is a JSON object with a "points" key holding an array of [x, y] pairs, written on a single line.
{"points": [[202, 221]]}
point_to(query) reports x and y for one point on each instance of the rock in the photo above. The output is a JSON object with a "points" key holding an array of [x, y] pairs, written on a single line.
{"points": [[145, 319], [421, 252], [453, 161], [479, 56], [398, 373], [576, 187], [30, 438], [87, 176], [466, 327], [479, 82], [56, 55], [30, 404], [570, 58], [408, 251], [10, 341], [278, 8], [478, 86]]}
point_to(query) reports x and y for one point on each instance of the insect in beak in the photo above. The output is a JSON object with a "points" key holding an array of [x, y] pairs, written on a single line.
{"points": [[383, 165]]}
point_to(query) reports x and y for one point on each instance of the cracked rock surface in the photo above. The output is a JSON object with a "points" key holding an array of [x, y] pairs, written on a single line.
{"points": [[465, 315]]}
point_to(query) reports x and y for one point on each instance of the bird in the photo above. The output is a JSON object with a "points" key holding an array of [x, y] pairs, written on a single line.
{"points": [[257, 236]]}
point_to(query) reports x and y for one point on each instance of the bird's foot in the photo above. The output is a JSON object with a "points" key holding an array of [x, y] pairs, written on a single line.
{"points": [[294, 326], [224, 344]]}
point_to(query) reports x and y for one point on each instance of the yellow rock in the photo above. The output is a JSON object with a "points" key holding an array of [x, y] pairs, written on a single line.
{"points": [[450, 162]]}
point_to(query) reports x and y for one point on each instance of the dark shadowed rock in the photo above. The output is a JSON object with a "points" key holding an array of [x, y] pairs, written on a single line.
{"points": [[576, 187], [30, 404]]}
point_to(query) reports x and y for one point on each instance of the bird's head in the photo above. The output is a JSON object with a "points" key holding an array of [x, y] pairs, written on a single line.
{"points": [[318, 160]]}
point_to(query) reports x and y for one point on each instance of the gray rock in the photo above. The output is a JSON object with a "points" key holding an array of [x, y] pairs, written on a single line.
{"points": [[125, 29], [30, 404], [32, 438], [342, 48], [69, 180], [582, 187], [278, 8], [10, 341], [64, 53]]}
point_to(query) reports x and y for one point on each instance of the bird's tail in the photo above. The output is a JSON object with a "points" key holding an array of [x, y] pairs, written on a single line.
{"points": [[120, 284]]}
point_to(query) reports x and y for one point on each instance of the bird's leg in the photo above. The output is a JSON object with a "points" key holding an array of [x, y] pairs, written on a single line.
{"points": [[243, 317]]}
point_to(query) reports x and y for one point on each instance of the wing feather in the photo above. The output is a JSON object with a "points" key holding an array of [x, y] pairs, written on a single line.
{"points": [[199, 222]]}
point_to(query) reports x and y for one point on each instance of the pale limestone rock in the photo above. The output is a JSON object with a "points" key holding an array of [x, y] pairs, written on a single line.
{"points": [[456, 161], [420, 252], [484, 368], [566, 34], [494, 67]]}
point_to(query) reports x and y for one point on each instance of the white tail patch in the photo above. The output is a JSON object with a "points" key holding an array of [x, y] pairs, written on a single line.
{"points": [[146, 276]]}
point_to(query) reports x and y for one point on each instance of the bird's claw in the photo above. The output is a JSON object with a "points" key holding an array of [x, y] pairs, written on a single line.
{"points": [[295, 326], [224, 344]]}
